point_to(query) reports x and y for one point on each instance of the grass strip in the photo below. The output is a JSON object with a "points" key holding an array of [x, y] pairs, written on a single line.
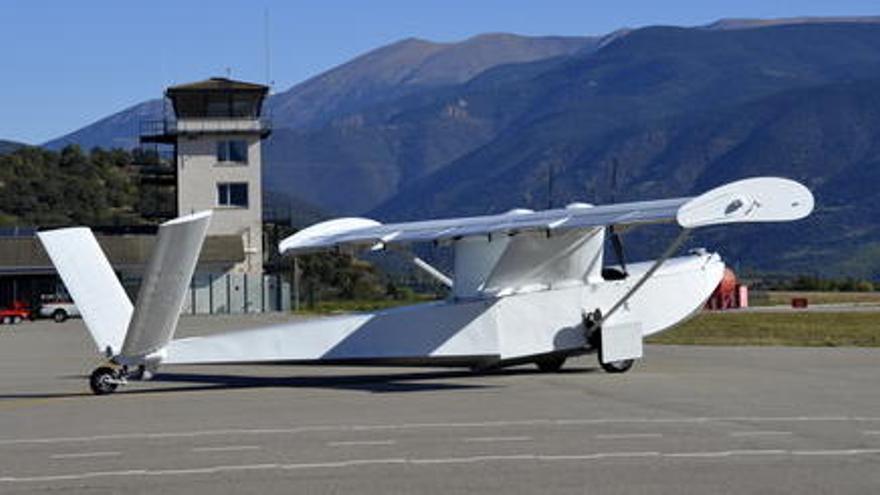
{"points": [[809, 329]]}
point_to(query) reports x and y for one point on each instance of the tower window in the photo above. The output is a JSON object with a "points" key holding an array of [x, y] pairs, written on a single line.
{"points": [[232, 194], [234, 151]]}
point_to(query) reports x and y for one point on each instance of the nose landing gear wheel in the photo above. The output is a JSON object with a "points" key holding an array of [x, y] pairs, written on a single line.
{"points": [[104, 380]]}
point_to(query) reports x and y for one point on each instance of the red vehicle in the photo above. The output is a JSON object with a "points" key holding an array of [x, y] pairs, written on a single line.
{"points": [[15, 314]]}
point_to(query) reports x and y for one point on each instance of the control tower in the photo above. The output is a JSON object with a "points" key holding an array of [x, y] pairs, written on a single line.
{"points": [[216, 131]]}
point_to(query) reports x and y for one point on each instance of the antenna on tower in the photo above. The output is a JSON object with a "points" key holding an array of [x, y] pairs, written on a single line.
{"points": [[267, 53]]}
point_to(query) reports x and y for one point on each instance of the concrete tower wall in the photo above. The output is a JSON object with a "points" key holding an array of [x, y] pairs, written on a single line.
{"points": [[200, 175]]}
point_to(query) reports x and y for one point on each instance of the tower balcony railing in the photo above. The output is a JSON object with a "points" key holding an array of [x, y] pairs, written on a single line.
{"points": [[174, 127]]}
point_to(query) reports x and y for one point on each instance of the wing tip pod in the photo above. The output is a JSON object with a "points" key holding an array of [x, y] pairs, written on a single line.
{"points": [[758, 199], [309, 238]]}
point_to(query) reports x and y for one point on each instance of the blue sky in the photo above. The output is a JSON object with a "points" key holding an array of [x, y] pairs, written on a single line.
{"points": [[66, 64]]}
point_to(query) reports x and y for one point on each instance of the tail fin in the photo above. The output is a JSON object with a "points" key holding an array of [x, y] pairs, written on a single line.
{"points": [[163, 289], [120, 331], [90, 280]]}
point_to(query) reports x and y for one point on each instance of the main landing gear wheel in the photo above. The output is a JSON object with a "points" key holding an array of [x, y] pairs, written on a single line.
{"points": [[550, 364], [104, 380], [621, 366], [594, 341]]}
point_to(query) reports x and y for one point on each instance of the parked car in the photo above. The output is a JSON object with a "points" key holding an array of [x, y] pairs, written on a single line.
{"points": [[57, 308], [14, 314]]}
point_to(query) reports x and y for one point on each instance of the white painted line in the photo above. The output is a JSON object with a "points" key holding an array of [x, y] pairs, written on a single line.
{"points": [[473, 459], [229, 448], [759, 452], [600, 455], [836, 452], [83, 455], [357, 443], [871, 432], [343, 464], [759, 433], [623, 436], [417, 426], [725, 453], [433, 461], [495, 439]]}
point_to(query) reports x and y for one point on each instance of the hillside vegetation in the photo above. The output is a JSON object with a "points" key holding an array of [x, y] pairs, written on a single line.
{"points": [[47, 188], [9, 146]]}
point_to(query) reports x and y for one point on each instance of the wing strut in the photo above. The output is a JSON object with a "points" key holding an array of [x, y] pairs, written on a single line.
{"points": [[423, 265], [620, 344], [638, 285], [433, 272]]}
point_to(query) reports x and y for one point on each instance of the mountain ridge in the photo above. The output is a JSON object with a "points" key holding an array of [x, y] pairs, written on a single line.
{"points": [[669, 110]]}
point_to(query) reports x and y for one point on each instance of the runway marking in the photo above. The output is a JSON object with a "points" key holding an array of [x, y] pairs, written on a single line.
{"points": [[540, 458], [623, 436], [416, 426], [229, 448], [83, 455], [836, 452], [728, 453], [597, 456], [495, 439], [472, 459], [759, 433], [871, 432], [358, 443]]}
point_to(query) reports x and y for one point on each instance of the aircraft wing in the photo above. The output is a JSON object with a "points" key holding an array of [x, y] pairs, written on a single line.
{"points": [[762, 199]]}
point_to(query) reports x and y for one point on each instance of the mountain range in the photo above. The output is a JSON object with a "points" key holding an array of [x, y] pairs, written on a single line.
{"points": [[419, 129]]}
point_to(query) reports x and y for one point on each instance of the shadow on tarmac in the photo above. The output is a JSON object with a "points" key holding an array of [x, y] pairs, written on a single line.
{"points": [[422, 381]]}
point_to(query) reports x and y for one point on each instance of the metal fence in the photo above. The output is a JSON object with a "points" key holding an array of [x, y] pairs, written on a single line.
{"points": [[230, 293]]}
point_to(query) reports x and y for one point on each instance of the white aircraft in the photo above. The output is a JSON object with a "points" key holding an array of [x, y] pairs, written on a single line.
{"points": [[527, 287]]}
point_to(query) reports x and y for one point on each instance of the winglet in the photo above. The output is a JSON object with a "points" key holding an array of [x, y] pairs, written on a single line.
{"points": [[760, 199]]}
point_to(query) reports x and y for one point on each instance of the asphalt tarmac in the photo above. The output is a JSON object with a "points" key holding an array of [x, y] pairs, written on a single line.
{"points": [[685, 420]]}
